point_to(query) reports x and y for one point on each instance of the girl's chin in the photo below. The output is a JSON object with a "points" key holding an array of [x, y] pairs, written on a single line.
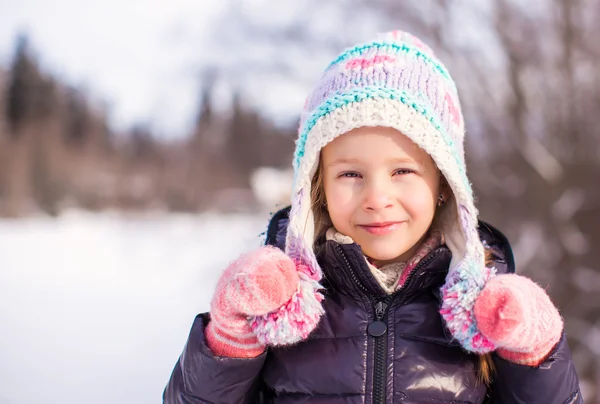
{"points": [[384, 256]]}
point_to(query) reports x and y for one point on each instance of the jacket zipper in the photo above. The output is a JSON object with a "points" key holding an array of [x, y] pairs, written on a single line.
{"points": [[378, 329]]}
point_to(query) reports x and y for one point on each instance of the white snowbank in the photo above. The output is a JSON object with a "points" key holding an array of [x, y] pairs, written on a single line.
{"points": [[97, 308]]}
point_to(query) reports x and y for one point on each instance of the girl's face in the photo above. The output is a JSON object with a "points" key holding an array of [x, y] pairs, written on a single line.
{"points": [[381, 190]]}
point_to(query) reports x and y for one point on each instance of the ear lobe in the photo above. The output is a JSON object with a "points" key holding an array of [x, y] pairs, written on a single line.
{"points": [[447, 192], [445, 189]]}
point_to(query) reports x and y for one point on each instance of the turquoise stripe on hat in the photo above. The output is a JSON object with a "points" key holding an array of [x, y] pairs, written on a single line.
{"points": [[340, 100]]}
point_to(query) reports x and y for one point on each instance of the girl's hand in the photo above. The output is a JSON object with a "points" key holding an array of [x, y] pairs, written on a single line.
{"points": [[516, 314], [257, 283]]}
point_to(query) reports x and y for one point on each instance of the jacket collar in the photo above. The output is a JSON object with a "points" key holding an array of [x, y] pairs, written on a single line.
{"points": [[346, 271]]}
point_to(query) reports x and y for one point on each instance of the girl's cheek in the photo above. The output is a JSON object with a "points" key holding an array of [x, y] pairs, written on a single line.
{"points": [[344, 189], [341, 196], [419, 196], [338, 195]]}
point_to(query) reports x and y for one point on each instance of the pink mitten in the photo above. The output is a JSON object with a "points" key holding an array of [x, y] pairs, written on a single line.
{"points": [[516, 314], [257, 283]]}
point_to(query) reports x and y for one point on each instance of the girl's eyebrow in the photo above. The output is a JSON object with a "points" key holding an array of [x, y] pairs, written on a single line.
{"points": [[396, 160], [403, 160], [344, 160]]}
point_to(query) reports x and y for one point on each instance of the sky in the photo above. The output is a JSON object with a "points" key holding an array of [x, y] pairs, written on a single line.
{"points": [[143, 58], [138, 56]]}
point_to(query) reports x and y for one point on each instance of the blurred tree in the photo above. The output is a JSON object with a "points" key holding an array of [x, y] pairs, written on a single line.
{"points": [[77, 116], [30, 96], [31, 99], [206, 114], [245, 138]]}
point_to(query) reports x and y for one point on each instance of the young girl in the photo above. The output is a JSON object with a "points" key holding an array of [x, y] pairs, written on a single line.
{"points": [[378, 285]]}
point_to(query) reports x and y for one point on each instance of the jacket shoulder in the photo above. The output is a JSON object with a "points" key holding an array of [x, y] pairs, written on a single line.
{"points": [[277, 229], [496, 242]]}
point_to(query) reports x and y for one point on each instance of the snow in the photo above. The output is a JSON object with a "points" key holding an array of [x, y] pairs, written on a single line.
{"points": [[97, 308]]}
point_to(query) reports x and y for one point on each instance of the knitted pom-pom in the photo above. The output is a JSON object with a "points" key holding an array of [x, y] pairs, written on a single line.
{"points": [[459, 294], [295, 320]]}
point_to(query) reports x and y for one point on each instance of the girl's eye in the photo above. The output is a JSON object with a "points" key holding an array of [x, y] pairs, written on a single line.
{"points": [[403, 171], [350, 175]]}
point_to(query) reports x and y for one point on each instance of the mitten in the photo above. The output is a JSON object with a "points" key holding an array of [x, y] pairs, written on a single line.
{"points": [[517, 315], [255, 284]]}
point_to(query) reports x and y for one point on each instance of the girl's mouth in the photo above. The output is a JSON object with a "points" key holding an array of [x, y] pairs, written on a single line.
{"points": [[380, 228]]}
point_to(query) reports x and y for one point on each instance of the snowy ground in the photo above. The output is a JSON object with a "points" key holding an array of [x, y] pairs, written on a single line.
{"points": [[96, 308]]}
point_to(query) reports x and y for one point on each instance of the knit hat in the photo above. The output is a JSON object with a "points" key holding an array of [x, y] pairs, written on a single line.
{"points": [[394, 81]]}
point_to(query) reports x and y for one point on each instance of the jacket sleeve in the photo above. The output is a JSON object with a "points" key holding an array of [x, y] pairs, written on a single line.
{"points": [[553, 382], [201, 377]]}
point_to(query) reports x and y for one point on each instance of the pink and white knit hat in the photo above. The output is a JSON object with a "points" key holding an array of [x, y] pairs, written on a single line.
{"points": [[394, 81]]}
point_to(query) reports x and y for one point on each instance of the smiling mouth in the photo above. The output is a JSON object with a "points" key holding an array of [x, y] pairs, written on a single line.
{"points": [[380, 228]]}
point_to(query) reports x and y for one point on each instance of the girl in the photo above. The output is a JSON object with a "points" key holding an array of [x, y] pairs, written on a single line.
{"points": [[378, 285]]}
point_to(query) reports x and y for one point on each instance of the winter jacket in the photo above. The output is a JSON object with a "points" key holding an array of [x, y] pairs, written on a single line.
{"points": [[371, 347]]}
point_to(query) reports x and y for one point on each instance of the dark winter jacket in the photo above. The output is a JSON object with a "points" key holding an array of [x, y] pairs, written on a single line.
{"points": [[371, 347]]}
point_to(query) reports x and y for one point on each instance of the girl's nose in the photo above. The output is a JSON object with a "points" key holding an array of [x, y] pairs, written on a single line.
{"points": [[377, 196]]}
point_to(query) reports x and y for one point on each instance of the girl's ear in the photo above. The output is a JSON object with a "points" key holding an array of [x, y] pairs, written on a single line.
{"points": [[445, 192]]}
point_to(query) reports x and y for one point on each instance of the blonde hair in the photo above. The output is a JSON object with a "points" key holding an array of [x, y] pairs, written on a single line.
{"points": [[322, 222]]}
